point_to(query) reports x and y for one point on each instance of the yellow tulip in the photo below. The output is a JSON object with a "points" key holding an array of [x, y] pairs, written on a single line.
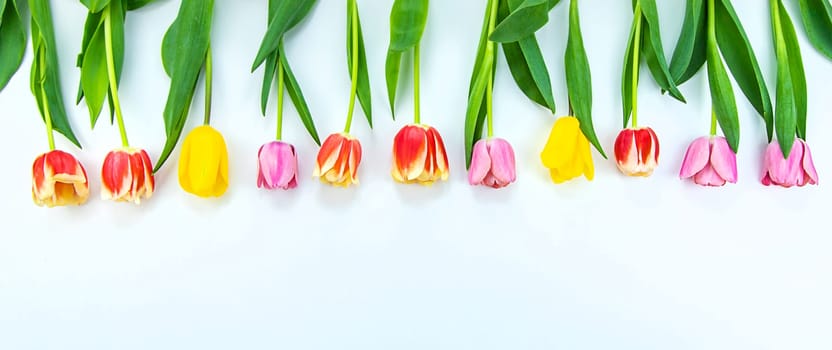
{"points": [[567, 154], [203, 164]]}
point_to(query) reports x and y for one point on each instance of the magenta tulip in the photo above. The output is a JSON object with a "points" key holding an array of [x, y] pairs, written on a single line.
{"points": [[797, 170], [277, 166], [492, 164], [710, 162]]}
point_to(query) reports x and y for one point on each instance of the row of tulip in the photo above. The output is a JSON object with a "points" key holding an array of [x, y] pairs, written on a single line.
{"points": [[419, 154]]}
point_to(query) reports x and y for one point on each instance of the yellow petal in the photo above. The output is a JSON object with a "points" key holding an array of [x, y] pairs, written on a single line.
{"points": [[586, 157], [561, 143]]}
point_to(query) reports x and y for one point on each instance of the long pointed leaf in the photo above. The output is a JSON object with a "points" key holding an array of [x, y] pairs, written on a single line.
{"points": [[653, 50], [579, 77], [741, 61], [12, 41], [722, 95], [364, 97], [817, 19], [295, 93], [627, 75], [785, 115], [796, 71], [392, 66], [287, 14], [690, 52]]}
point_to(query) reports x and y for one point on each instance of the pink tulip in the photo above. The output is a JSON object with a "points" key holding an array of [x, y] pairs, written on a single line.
{"points": [[492, 164], [277, 166], [797, 170], [710, 162]]}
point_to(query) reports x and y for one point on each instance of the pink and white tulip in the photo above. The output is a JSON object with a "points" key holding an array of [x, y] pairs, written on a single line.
{"points": [[277, 166], [710, 162], [796, 170], [492, 164]]}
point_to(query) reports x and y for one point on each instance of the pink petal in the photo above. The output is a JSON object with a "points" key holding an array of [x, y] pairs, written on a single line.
{"points": [[696, 157], [774, 165], [724, 160], [708, 177], [285, 166], [480, 163], [795, 164], [809, 165], [502, 160]]}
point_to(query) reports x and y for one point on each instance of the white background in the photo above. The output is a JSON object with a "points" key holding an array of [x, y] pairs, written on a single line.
{"points": [[617, 263]]}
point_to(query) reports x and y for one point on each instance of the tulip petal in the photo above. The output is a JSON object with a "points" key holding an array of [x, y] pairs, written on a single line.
{"points": [[775, 166], [696, 157], [585, 157], [329, 153], [480, 163], [809, 166], [708, 177], [794, 165], [724, 160], [440, 155], [561, 143], [502, 160]]}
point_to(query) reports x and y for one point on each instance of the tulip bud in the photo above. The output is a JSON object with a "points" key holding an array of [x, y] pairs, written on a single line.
{"points": [[796, 170], [127, 176], [637, 151], [492, 164], [710, 162], [277, 166], [203, 163], [419, 155], [338, 160], [567, 154], [59, 179]]}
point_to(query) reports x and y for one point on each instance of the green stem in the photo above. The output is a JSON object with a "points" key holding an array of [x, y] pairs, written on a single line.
{"points": [[353, 65], [416, 104], [712, 46], [489, 51], [209, 82], [50, 134], [279, 100], [111, 73], [636, 63], [713, 123]]}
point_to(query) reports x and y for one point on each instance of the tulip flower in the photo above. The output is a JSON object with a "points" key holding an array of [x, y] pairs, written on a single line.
{"points": [[710, 162], [277, 166], [338, 160], [796, 170], [637, 151], [59, 179], [492, 164], [567, 154], [203, 163], [127, 176], [419, 155]]}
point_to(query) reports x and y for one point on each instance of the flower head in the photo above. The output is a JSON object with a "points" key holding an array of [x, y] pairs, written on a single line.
{"points": [[419, 155], [637, 151], [567, 154], [492, 164], [127, 176], [338, 160], [203, 163], [277, 166], [710, 162], [796, 170], [59, 179]]}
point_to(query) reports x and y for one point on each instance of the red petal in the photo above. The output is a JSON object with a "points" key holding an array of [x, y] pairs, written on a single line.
{"points": [[623, 145]]}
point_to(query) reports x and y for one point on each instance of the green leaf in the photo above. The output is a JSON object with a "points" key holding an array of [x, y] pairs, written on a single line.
{"points": [[690, 52], [392, 66], [741, 61], [295, 93], [12, 41], [627, 74], [722, 95], [525, 19], [484, 70], [45, 78], [817, 19], [137, 4], [654, 52], [363, 73], [579, 77], [528, 68], [268, 79], [407, 23], [285, 15], [95, 5], [184, 50], [94, 81], [785, 114], [796, 71]]}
